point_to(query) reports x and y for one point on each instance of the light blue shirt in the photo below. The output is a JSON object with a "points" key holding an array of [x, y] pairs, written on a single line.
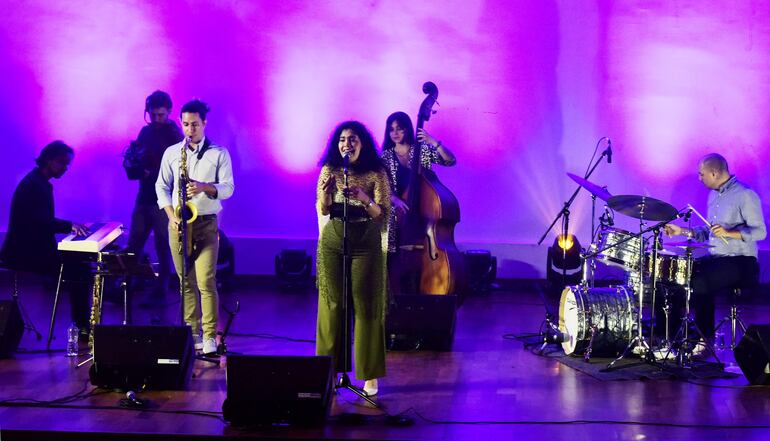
{"points": [[214, 167], [734, 206]]}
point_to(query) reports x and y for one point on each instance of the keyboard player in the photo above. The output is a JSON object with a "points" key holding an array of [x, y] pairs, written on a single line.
{"points": [[30, 243]]}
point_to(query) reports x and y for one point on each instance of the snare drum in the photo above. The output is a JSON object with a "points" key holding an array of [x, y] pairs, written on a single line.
{"points": [[607, 313], [625, 255], [670, 269]]}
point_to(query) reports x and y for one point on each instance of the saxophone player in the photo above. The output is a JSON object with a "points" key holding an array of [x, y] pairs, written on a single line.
{"points": [[209, 180]]}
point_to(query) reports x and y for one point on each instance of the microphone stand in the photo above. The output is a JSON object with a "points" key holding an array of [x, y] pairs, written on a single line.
{"points": [[183, 232], [222, 346], [347, 284]]}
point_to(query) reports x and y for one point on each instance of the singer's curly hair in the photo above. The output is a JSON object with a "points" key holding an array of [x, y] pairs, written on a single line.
{"points": [[368, 159], [196, 106], [405, 123]]}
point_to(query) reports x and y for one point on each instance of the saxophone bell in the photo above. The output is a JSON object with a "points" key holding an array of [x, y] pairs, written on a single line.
{"points": [[188, 214]]}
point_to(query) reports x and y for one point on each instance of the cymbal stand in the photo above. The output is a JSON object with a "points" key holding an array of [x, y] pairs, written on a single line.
{"points": [[653, 278], [682, 337], [665, 345], [589, 269], [589, 256], [589, 264], [593, 214], [639, 343]]}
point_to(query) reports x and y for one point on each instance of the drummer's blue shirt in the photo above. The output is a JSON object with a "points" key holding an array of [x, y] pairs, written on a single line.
{"points": [[736, 207]]}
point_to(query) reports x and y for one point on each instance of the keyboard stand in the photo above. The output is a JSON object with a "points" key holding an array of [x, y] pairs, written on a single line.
{"points": [[110, 264]]}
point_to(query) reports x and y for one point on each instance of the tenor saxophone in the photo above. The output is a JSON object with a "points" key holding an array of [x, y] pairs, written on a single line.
{"points": [[185, 211]]}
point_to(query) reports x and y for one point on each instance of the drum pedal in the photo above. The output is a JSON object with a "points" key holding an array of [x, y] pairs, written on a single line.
{"points": [[664, 353]]}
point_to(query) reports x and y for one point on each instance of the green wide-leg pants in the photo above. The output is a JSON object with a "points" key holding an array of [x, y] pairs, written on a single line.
{"points": [[368, 297]]}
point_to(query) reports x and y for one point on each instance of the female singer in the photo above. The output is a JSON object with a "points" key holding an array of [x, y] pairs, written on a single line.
{"points": [[369, 204]]}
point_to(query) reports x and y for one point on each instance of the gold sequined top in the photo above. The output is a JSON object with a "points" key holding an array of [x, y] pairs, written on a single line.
{"points": [[374, 184]]}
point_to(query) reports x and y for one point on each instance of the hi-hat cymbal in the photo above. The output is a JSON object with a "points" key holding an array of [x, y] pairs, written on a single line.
{"points": [[596, 190], [642, 207], [688, 244]]}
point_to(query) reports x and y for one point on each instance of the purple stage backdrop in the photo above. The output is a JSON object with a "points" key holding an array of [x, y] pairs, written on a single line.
{"points": [[527, 88]]}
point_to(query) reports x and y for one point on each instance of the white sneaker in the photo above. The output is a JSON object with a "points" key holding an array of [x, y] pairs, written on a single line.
{"points": [[370, 387], [209, 346], [198, 340]]}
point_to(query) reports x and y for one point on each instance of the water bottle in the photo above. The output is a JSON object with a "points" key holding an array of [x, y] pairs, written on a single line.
{"points": [[72, 341]]}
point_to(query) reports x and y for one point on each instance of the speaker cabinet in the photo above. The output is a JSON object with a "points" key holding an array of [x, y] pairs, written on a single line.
{"points": [[753, 354], [421, 321], [11, 327], [136, 357], [268, 390]]}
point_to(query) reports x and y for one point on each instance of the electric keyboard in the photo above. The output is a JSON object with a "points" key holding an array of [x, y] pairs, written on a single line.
{"points": [[101, 235]]}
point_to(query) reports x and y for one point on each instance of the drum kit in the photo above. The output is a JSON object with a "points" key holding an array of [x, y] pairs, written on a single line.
{"points": [[607, 321]]}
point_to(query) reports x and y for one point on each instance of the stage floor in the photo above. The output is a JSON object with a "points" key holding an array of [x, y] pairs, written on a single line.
{"points": [[488, 387]]}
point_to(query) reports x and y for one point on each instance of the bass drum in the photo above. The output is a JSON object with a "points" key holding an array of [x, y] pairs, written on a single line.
{"points": [[606, 315]]}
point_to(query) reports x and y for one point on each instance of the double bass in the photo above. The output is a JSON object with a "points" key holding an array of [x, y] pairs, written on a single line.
{"points": [[428, 249]]}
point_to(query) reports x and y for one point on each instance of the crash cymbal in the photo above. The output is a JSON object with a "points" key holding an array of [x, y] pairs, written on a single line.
{"points": [[596, 190], [642, 207], [688, 244]]}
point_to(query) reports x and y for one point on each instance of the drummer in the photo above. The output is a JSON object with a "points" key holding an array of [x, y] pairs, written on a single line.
{"points": [[737, 223]]}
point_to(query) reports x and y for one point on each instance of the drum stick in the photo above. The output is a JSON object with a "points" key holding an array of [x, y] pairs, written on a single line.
{"points": [[708, 224]]}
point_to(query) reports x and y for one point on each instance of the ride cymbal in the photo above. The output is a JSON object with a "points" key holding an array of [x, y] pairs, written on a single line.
{"points": [[643, 207]]}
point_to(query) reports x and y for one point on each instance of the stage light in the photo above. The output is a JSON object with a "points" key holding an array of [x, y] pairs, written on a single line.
{"points": [[481, 267], [564, 264], [565, 253], [292, 270], [565, 242]]}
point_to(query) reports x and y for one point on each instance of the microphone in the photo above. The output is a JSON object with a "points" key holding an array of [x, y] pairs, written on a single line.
{"points": [[346, 159], [609, 151], [607, 217]]}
